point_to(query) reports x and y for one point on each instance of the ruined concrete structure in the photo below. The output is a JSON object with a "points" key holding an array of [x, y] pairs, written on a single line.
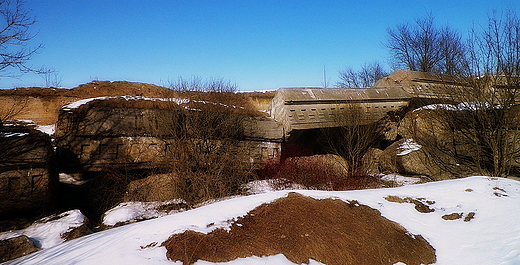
{"points": [[422, 84], [26, 175], [142, 133], [311, 108], [137, 132]]}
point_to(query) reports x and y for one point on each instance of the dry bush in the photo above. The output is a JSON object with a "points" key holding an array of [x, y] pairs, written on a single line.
{"points": [[352, 139], [204, 154], [330, 231], [323, 172]]}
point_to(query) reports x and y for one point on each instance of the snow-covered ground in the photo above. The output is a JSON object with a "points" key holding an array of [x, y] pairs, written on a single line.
{"points": [[491, 237]]}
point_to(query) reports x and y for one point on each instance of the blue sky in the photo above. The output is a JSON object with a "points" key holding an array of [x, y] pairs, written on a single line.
{"points": [[259, 45]]}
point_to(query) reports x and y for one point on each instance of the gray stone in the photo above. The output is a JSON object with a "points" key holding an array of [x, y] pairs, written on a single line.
{"points": [[16, 247]]}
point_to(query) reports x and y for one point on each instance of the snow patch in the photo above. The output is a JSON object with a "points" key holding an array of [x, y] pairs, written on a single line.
{"points": [[68, 179], [128, 212], [48, 129], [400, 180], [46, 232], [79, 103], [270, 185], [408, 146]]}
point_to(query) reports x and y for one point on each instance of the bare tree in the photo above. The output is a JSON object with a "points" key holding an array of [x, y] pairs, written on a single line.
{"points": [[196, 83], [13, 108], [424, 47], [15, 35], [481, 132], [52, 79], [366, 77]]}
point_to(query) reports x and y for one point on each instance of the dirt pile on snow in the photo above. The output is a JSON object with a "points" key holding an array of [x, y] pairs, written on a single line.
{"points": [[330, 231]]}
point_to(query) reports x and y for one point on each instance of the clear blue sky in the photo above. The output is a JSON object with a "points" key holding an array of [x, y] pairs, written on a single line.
{"points": [[259, 45]]}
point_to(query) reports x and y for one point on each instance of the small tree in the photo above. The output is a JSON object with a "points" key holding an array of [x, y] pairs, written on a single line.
{"points": [[203, 142], [366, 77]]}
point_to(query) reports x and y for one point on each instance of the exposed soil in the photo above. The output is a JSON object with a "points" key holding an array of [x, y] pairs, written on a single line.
{"points": [[452, 216], [330, 231], [456, 216], [420, 206], [42, 105]]}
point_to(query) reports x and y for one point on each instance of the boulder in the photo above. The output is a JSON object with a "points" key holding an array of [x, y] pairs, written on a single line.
{"points": [[160, 187], [77, 232], [16, 247], [424, 122], [371, 161], [407, 157]]}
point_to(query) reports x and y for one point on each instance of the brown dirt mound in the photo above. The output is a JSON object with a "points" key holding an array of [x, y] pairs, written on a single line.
{"points": [[119, 88], [329, 231]]}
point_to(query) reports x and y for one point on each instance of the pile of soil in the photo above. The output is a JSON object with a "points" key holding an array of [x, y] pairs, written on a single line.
{"points": [[120, 88], [330, 231]]}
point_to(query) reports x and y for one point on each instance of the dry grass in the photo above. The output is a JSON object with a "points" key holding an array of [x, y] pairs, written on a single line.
{"points": [[301, 228], [324, 172]]}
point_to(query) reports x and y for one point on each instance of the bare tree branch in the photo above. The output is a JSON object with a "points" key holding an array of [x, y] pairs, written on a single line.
{"points": [[15, 34]]}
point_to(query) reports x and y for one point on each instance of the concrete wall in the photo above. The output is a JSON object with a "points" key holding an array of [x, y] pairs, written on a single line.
{"points": [[25, 175], [300, 109], [98, 138]]}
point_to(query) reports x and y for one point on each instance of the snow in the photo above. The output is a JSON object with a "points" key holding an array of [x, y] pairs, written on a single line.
{"points": [[179, 101], [79, 103], [408, 146], [461, 106], [269, 185], [46, 232], [136, 211], [400, 180], [12, 134], [492, 237], [48, 129], [68, 179]]}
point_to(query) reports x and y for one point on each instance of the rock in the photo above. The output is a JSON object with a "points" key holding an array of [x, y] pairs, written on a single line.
{"points": [[161, 187], [16, 247], [409, 158], [78, 232], [399, 157], [371, 161]]}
